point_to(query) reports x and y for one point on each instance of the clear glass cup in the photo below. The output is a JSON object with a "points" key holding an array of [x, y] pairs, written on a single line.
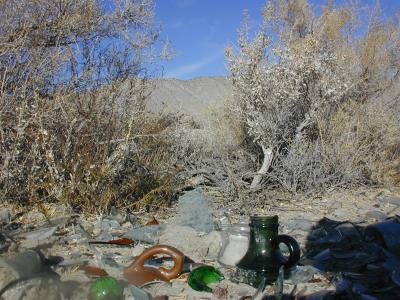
{"points": [[234, 243]]}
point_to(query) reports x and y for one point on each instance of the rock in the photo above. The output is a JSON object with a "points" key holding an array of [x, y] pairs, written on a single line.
{"points": [[38, 237], [3, 243], [376, 214], [116, 215], [63, 209], [36, 288], [299, 224], [334, 204], [197, 180], [390, 199], [59, 222], [5, 215], [34, 217], [28, 263], [138, 293], [147, 234], [344, 214], [103, 229], [193, 212], [302, 274]]}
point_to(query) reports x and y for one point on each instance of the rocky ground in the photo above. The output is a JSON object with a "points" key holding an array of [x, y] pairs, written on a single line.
{"points": [[192, 226]]}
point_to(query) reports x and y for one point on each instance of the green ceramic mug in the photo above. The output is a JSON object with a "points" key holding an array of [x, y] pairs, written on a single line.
{"points": [[263, 257]]}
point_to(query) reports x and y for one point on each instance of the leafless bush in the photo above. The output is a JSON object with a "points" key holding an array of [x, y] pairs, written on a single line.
{"points": [[72, 92], [297, 73]]}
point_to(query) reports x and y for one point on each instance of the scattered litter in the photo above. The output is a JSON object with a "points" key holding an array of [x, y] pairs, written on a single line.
{"points": [[137, 273], [235, 242], [153, 222], [366, 259], [119, 242], [263, 258], [387, 234], [106, 288], [93, 271], [200, 277]]}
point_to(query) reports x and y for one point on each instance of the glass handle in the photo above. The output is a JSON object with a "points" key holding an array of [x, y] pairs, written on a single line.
{"points": [[294, 249]]}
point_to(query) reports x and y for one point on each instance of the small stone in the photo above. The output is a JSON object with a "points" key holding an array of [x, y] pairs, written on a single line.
{"points": [[147, 234], [376, 214], [103, 229], [302, 274], [63, 209], [344, 214], [35, 288], [116, 215], [333, 204], [25, 264], [5, 215], [300, 224], [34, 217], [390, 199], [38, 237]]}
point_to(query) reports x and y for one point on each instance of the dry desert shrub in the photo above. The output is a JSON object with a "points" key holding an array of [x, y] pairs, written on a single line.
{"points": [[73, 78], [303, 89], [356, 146]]}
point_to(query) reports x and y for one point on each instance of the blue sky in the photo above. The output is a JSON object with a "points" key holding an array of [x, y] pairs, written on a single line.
{"points": [[199, 30]]}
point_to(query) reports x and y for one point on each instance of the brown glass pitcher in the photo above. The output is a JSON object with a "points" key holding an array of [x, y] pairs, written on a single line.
{"points": [[263, 257], [139, 274]]}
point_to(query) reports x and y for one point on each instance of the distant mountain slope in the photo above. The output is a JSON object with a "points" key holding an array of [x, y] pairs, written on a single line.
{"points": [[196, 96], [192, 97]]}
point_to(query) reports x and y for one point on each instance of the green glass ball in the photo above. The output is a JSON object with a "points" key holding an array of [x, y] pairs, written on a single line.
{"points": [[106, 288]]}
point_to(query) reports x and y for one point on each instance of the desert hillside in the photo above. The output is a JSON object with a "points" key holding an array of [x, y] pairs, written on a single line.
{"points": [[193, 96]]}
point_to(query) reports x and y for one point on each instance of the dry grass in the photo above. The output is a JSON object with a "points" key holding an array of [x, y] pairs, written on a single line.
{"points": [[358, 145], [71, 150]]}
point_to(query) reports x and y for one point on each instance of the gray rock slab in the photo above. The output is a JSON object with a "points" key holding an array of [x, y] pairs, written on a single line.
{"points": [[36, 288], [146, 234], [193, 212], [344, 214], [38, 237], [299, 224], [25, 264], [391, 200], [376, 215], [4, 215]]}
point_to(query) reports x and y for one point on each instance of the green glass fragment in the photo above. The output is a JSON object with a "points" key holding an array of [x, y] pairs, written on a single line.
{"points": [[106, 288], [200, 277]]}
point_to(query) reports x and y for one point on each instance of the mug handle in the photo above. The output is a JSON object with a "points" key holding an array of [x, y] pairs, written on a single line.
{"points": [[294, 249], [177, 256]]}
